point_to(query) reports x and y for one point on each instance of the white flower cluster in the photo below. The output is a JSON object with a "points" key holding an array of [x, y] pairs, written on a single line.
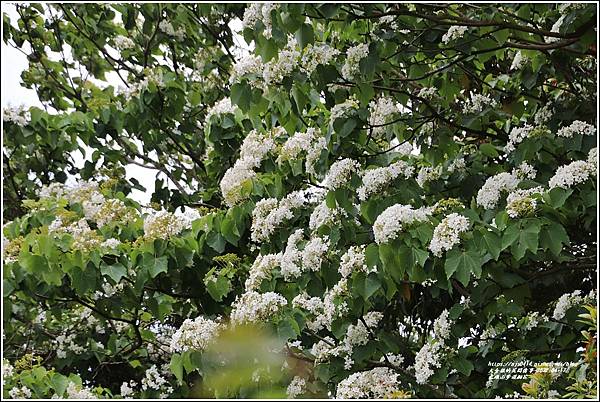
{"points": [[447, 234], [454, 32], [392, 221], [221, 107], [269, 214], [311, 142], [427, 174], [315, 307], [163, 224], [543, 115], [66, 343], [353, 260], [339, 173], [516, 136], [259, 12], [261, 269], [520, 202], [375, 180], [353, 57], [569, 300], [7, 370], [478, 102], [78, 392], [381, 112], [109, 212], [518, 61], [19, 393], [16, 114], [524, 171], [249, 64], [168, 28], [292, 256], [442, 326], [151, 76], [314, 253], [195, 334], [341, 109], [153, 379], [378, 383], [123, 42], [275, 70], [577, 127], [253, 150], [575, 172], [357, 335], [427, 92], [84, 238], [318, 54], [428, 357], [252, 307], [323, 215], [127, 388], [296, 387], [489, 194]]}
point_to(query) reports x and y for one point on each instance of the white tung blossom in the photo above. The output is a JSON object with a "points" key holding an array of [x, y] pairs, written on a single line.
{"points": [[489, 195], [195, 334], [339, 173], [16, 114], [378, 383], [354, 260], [249, 64], [287, 60], [478, 102], [296, 387], [323, 215], [428, 358], [575, 172], [314, 253], [261, 269], [577, 127], [221, 107], [343, 109], [447, 234], [163, 224], [253, 307], [392, 221], [317, 54], [259, 12], [516, 136], [565, 302], [520, 202], [123, 42], [381, 112], [168, 28], [292, 257], [353, 57], [375, 180], [269, 214], [311, 142], [454, 32]]}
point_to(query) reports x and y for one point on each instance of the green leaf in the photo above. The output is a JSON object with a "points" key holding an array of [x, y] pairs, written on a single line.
{"points": [[461, 264], [365, 286], [463, 366], [490, 242], [154, 265], [553, 236], [488, 150], [176, 366], [527, 240], [557, 196], [218, 288], [115, 271], [305, 35], [241, 95]]}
